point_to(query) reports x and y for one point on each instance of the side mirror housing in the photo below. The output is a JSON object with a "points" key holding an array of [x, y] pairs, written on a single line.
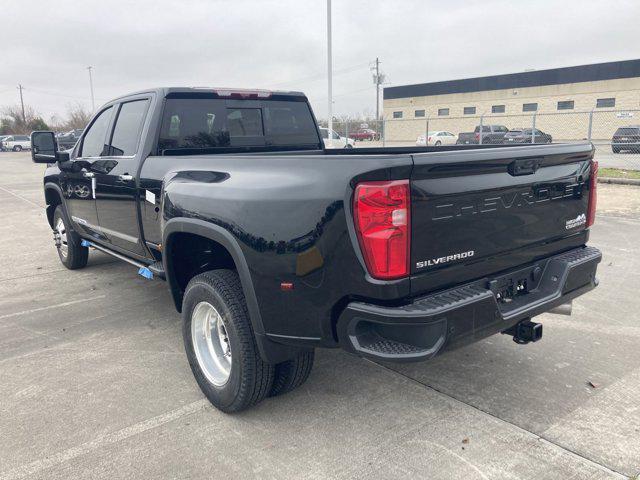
{"points": [[44, 148]]}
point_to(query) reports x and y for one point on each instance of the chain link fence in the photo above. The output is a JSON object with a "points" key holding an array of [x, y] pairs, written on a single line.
{"points": [[614, 133]]}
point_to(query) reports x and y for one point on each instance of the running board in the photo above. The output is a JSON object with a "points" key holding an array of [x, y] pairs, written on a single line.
{"points": [[147, 271]]}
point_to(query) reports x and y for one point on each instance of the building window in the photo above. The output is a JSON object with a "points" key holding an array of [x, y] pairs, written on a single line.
{"points": [[419, 113], [565, 105], [469, 110], [397, 114], [497, 109], [443, 112], [529, 107], [605, 103]]}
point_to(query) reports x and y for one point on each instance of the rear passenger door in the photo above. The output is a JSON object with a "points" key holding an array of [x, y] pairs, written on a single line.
{"points": [[116, 173]]}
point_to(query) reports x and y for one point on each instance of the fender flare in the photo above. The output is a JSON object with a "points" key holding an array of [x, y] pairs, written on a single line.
{"points": [[226, 239], [48, 208], [270, 351]]}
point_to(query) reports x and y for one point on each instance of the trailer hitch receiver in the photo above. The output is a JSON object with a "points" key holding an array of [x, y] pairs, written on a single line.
{"points": [[525, 332]]}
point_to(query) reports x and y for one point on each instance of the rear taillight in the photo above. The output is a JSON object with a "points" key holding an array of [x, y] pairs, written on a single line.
{"points": [[429, 139], [382, 215], [477, 136], [593, 194]]}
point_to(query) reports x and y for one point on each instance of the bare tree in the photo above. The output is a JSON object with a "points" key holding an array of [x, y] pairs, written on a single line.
{"points": [[56, 123], [77, 117], [13, 122]]}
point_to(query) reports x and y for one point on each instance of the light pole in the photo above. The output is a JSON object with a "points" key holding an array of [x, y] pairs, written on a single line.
{"points": [[329, 73], [93, 102]]}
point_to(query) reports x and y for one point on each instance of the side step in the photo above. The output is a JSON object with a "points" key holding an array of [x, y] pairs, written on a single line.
{"points": [[155, 269]]}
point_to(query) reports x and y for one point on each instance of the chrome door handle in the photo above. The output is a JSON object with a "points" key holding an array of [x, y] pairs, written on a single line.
{"points": [[89, 174], [125, 177]]}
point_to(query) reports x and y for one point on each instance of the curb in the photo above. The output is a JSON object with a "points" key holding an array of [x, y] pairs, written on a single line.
{"points": [[619, 181]]}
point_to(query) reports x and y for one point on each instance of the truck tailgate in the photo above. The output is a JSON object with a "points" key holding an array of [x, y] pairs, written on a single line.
{"points": [[477, 212]]}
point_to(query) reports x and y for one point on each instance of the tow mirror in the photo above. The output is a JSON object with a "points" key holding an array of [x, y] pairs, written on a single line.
{"points": [[44, 148]]}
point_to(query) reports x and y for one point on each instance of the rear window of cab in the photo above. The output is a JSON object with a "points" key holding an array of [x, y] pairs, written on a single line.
{"points": [[212, 123]]}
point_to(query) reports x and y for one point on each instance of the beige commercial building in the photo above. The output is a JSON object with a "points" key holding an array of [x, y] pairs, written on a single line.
{"points": [[572, 103]]}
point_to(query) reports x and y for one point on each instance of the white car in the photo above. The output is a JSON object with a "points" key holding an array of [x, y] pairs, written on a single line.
{"points": [[437, 138], [337, 140], [17, 143]]}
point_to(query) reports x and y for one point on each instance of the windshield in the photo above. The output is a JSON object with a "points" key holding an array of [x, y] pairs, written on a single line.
{"points": [[627, 131]]}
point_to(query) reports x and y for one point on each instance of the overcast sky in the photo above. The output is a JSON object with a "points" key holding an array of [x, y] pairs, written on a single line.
{"points": [[47, 45]]}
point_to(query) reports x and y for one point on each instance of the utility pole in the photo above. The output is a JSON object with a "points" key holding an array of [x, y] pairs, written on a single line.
{"points": [[377, 89], [24, 118], [329, 74], [378, 79], [93, 102]]}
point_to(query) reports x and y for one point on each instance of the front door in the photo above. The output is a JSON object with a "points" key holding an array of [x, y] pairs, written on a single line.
{"points": [[115, 177], [77, 178]]}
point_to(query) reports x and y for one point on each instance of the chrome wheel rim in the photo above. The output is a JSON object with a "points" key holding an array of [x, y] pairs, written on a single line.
{"points": [[60, 237], [211, 343]]}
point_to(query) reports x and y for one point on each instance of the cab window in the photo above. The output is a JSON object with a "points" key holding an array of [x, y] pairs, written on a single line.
{"points": [[94, 143], [128, 129], [212, 123]]}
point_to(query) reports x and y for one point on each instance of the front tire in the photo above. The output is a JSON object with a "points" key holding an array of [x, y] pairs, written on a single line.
{"points": [[17, 148], [220, 343], [68, 243]]}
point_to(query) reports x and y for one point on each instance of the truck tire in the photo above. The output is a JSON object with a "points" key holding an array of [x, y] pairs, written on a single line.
{"points": [[220, 343], [17, 148], [68, 243], [291, 374]]}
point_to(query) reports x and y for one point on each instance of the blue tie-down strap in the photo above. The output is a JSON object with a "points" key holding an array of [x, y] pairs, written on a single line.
{"points": [[84, 243], [146, 273]]}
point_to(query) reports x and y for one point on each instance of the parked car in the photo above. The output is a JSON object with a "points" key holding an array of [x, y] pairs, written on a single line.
{"points": [[437, 138], [526, 135], [273, 246], [2, 137], [364, 134], [16, 143], [68, 140], [626, 138], [491, 134], [466, 138], [337, 140]]}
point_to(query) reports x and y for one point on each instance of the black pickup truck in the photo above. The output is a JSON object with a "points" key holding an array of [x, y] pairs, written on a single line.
{"points": [[272, 246]]}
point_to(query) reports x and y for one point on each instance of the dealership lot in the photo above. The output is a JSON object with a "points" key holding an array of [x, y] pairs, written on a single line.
{"points": [[624, 160], [95, 383]]}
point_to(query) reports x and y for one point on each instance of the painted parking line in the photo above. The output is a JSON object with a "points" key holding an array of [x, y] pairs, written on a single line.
{"points": [[21, 197], [33, 468], [50, 307]]}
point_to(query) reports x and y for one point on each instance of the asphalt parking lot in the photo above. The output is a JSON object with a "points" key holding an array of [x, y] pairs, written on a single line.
{"points": [[95, 383]]}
